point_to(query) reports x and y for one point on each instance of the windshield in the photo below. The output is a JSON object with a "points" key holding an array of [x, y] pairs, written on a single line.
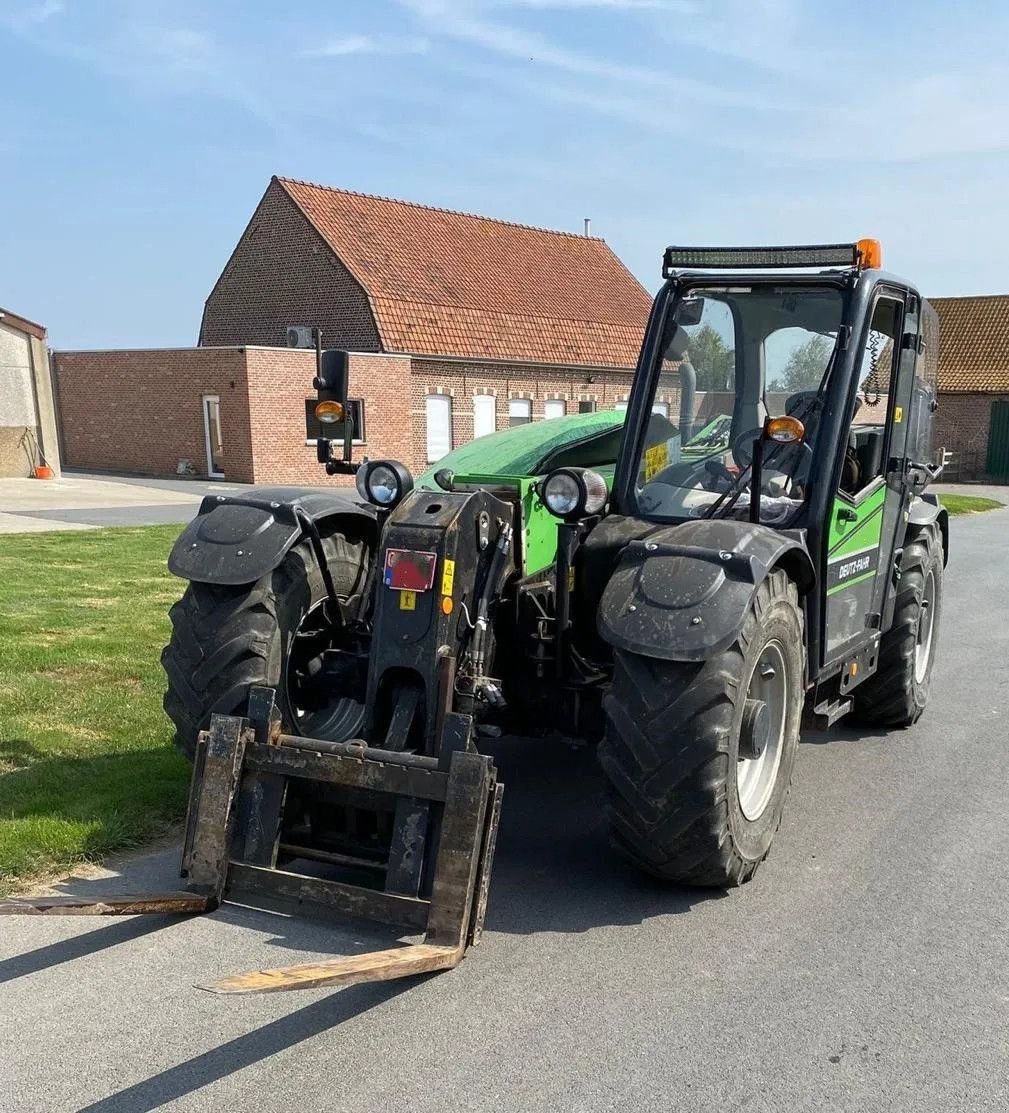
{"points": [[733, 356]]}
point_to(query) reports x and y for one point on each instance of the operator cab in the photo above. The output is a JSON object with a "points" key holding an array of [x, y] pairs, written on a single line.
{"points": [[735, 355]]}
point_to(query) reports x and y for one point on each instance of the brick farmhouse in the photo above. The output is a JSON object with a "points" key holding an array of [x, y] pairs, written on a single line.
{"points": [[973, 416], [458, 325]]}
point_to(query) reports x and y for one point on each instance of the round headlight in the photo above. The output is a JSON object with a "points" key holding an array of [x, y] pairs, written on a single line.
{"points": [[562, 493], [384, 482], [574, 492]]}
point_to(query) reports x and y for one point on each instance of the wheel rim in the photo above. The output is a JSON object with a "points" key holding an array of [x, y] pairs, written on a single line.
{"points": [[926, 627], [755, 777], [320, 709]]}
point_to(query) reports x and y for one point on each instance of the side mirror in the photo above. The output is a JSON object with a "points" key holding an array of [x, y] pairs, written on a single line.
{"points": [[690, 311]]}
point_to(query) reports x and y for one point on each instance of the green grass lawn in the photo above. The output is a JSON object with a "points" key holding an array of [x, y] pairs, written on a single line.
{"points": [[968, 504], [87, 763]]}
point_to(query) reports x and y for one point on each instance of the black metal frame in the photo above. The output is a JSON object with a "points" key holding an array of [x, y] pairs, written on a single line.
{"points": [[860, 288]]}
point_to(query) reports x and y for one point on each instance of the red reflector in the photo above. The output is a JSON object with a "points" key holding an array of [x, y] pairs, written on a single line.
{"points": [[409, 571]]}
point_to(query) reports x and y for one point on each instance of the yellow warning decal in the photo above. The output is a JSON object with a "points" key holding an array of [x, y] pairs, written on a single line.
{"points": [[571, 579], [898, 413], [656, 458], [408, 600], [447, 576]]}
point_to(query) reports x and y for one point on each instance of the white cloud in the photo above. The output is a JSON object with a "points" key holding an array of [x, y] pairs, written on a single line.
{"points": [[368, 44], [455, 19]]}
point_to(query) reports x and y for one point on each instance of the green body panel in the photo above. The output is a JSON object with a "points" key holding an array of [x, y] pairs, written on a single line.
{"points": [[848, 538], [516, 457]]}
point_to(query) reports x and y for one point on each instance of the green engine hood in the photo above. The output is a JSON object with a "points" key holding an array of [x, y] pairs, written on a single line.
{"points": [[516, 457]]}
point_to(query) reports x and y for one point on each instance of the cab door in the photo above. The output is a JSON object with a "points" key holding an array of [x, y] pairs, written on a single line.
{"points": [[869, 499]]}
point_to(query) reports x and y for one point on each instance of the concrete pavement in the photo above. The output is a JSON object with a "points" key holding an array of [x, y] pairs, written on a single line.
{"points": [[866, 967], [80, 500]]}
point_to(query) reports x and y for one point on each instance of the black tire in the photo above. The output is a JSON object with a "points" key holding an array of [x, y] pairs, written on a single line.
{"points": [[672, 748], [225, 639], [897, 692]]}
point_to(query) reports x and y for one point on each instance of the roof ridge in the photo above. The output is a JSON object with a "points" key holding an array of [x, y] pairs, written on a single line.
{"points": [[438, 209], [504, 312], [965, 297]]}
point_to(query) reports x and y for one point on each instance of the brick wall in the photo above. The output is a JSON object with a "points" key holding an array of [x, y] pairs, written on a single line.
{"points": [[282, 273], [142, 411], [279, 382], [462, 380], [963, 425]]}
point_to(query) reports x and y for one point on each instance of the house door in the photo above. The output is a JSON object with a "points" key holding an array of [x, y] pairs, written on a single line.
{"points": [[997, 464], [212, 436]]}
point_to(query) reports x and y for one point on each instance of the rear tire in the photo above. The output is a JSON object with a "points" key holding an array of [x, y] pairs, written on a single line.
{"points": [[683, 804], [897, 692], [226, 639]]}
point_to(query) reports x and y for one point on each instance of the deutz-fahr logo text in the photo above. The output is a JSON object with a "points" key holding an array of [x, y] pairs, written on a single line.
{"points": [[854, 567], [845, 569]]}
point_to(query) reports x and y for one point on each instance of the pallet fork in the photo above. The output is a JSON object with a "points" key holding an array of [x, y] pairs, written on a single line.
{"points": [[233, 833]]}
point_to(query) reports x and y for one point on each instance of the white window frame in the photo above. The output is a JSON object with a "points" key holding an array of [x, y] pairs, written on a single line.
{"points": [[520, 407], [661, 408], [485, 411], [431, 446], [211, 474], [553, 403]]}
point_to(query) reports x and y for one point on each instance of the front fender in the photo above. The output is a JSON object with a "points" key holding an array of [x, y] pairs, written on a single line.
{"points": [[237, 539], [926, 509], [682, 593]]}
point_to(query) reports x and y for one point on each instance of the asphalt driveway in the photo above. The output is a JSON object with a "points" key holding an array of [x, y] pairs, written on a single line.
{"points": [[866, 968], [80, 500]]}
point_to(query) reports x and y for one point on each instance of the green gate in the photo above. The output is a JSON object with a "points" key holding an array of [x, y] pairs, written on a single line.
{"points": [[998, 441]]}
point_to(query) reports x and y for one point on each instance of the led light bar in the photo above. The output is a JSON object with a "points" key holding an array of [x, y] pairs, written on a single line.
{"points": [[863, 253]]}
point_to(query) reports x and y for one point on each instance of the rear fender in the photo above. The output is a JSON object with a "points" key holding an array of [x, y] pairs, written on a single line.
{"points": [[682, 593], [237, 539], [926, 509]]}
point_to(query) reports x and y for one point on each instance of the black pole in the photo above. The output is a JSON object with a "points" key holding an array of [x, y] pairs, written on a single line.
{"points": [[756, 478]]}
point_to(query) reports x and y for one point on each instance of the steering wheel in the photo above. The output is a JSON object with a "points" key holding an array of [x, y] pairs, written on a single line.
{"points": [[742, 446]]}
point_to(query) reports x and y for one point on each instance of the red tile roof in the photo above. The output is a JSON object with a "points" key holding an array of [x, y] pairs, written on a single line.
{"points": [[973, 343], [454, 284]]}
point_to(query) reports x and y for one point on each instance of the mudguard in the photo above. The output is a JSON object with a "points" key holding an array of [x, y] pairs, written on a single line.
{"points": [[682, 593], [236, 539], [926, 509]]}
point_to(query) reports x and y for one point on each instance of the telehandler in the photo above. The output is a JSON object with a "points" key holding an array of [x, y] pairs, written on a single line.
{"points": [[748, 547]]}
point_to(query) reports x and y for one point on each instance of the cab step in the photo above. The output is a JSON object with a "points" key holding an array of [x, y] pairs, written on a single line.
{"points": [[827, 713]]}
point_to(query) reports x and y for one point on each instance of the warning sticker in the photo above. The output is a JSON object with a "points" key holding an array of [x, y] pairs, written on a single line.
{"points": [[408, 600], [447, 576], [898, 413], [656, 458]]}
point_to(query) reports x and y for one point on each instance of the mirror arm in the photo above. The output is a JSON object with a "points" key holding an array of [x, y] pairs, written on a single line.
{"points": [[756, 478]]}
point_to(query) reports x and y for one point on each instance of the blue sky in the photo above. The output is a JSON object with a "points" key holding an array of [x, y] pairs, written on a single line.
{"points": [[138, 136]]}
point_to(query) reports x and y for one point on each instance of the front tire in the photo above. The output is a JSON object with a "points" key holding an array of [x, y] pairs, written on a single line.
{"points": [[897, 692], [690, 801], [226, 639]]}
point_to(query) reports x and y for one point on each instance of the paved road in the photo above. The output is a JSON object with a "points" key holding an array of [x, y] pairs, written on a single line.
{"points": [[80, 500], [867, 967]]}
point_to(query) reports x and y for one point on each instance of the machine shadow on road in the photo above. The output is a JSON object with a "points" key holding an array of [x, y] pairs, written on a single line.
{"points": [[252, 1047]]}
